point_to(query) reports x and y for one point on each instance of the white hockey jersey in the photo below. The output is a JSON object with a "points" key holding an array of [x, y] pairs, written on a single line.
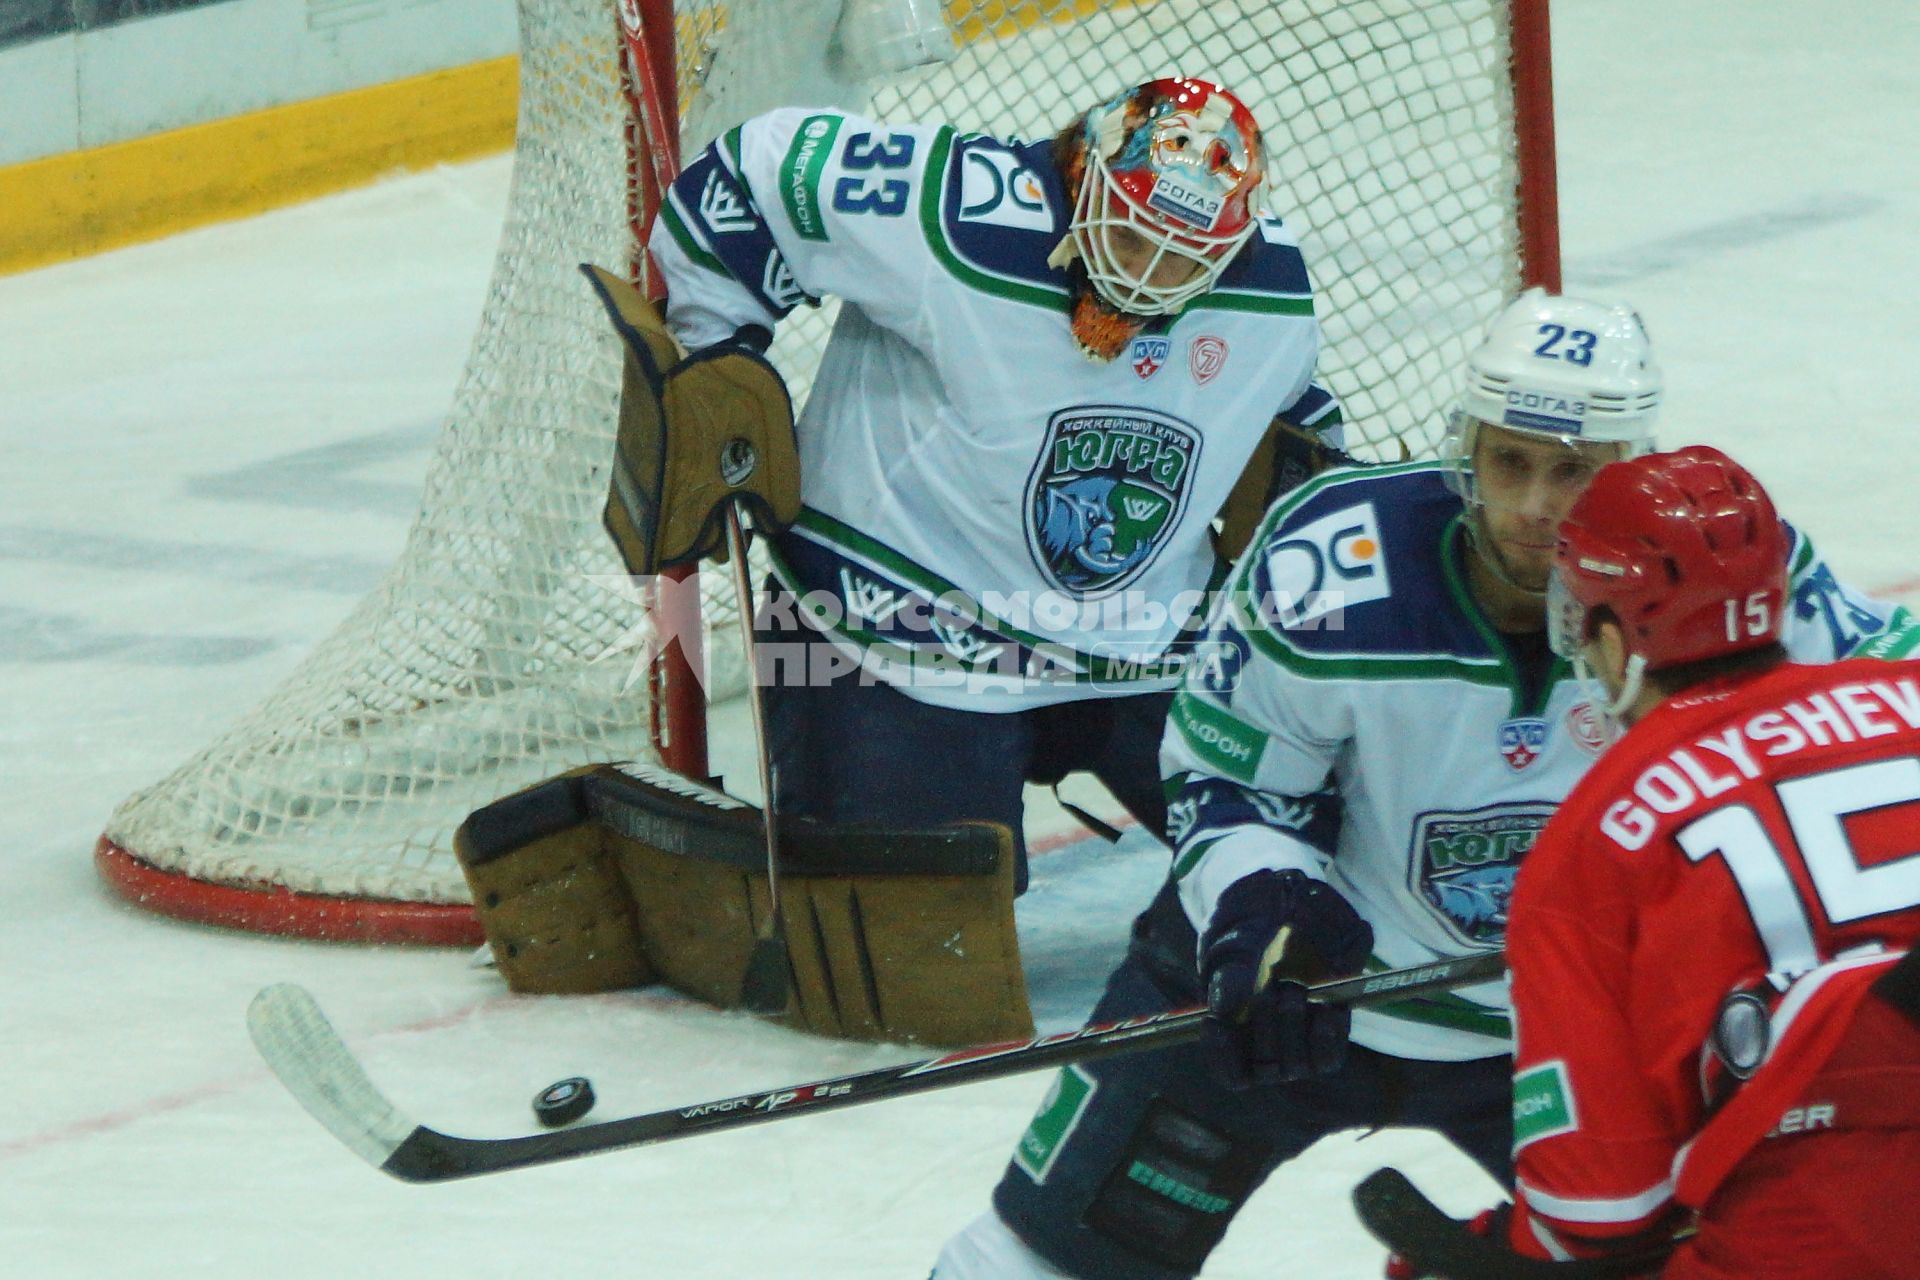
{"points": [[1406, 706], [991, 520]]}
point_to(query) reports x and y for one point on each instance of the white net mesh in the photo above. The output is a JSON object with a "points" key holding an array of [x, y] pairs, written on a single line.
{"points": [[501, 647]]}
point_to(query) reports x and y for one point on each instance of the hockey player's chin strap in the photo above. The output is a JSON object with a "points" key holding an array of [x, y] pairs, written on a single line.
{"points": [[1611, 710]]}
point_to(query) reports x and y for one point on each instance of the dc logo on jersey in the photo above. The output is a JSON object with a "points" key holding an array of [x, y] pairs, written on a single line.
{"points": [[1464, 864], [1149, 354], [1584, 727], [1206, 358], [1522, 740], [996, 188], [1318, 569], [1107, 490]]}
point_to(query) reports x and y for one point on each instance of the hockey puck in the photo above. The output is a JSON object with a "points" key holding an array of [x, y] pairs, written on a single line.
{"points": [[563, 1101]]}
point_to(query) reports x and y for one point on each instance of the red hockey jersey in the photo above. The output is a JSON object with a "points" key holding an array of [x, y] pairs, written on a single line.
{"points": [[1765, 827]]}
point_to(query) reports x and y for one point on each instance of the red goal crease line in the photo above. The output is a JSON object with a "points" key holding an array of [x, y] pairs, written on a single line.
{"points": [[287, 913]]}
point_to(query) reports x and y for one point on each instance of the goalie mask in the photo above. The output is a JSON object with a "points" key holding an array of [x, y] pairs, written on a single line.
{"points": [[1166, 180]]}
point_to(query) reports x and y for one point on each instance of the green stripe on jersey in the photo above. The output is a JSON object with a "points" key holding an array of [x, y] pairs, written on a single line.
{"points": [[1231, 746], [1273, 304], [684, 237], [800, 174], [933, 229]]}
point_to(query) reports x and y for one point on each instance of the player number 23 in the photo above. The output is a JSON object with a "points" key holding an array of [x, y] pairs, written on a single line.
{"points": [[876, 194], [1817, 808], [1557, 342]]}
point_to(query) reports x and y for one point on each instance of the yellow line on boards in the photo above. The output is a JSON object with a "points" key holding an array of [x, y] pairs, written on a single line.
{"points": [[68, 206], [975, 19]]}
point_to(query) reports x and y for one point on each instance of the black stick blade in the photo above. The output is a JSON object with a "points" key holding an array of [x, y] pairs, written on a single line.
{"points": [[1399, 1215], [768, 982]]}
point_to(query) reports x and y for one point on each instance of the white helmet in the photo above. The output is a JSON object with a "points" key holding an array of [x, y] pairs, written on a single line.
{"points": [[1563, 367]]}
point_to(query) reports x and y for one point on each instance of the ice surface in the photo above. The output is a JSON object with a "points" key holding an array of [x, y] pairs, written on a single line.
{"points": [[211, 447]]}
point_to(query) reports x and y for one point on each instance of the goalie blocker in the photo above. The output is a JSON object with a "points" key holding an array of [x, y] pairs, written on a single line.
{"points": [[620, 875]]}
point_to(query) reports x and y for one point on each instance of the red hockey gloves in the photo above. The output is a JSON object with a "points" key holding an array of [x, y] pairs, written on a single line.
{"points": [[1272, 932]]}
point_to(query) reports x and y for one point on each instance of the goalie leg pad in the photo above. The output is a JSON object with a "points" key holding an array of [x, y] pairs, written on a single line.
{"points": [[902, 936], [555, 909], [931, 959], [618, 875]]}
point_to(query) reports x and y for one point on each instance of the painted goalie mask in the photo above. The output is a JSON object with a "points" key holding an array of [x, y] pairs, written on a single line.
{"points": [[1168, 177]]}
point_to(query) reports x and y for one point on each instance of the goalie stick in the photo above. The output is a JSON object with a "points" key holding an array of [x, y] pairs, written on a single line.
{"points": [[315, 1065], [1400, 1216], [766, 986]]}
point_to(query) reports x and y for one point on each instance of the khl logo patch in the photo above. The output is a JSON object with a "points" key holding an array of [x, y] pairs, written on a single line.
{"points": [[1522, 740], [1106, 492], [1148, 355]]}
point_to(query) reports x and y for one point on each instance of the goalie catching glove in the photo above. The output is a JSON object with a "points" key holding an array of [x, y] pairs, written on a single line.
{"points": [[1271, 932], [697, 432]]}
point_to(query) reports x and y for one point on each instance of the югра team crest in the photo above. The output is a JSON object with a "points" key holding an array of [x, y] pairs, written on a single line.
{"points": [[1463, 865], [1108, 488]]}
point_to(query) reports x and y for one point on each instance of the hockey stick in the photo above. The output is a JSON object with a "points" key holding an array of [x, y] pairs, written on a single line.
{"points": [[766, 985], [315, 1065], [1400, 1216]]}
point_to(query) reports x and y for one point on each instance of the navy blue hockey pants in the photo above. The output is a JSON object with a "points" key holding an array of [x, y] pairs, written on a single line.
{"points": [[1136, 1164], [857, 750]]}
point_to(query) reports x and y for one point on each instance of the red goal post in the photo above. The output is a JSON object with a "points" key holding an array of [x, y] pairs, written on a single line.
{"points": [[1413, 148]]}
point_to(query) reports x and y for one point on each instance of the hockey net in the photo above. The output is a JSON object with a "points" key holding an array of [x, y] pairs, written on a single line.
{"points": [[506, 645]]}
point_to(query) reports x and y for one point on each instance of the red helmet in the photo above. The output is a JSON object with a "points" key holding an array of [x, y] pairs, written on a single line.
{"points": [[1687, 551]]}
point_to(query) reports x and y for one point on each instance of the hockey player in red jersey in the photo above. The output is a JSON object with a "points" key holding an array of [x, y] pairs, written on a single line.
{"points": [[1716, 1039]]}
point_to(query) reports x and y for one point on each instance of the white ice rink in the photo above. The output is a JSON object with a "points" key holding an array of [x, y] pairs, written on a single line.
{"points": [[210, 447]]}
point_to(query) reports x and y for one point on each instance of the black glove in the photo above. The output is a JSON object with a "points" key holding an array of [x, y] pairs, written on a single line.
{"points": [[1272, 932]]}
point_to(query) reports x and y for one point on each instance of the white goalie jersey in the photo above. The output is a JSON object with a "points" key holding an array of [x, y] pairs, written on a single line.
{"points": [[1351, 673], [991, 520]]}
